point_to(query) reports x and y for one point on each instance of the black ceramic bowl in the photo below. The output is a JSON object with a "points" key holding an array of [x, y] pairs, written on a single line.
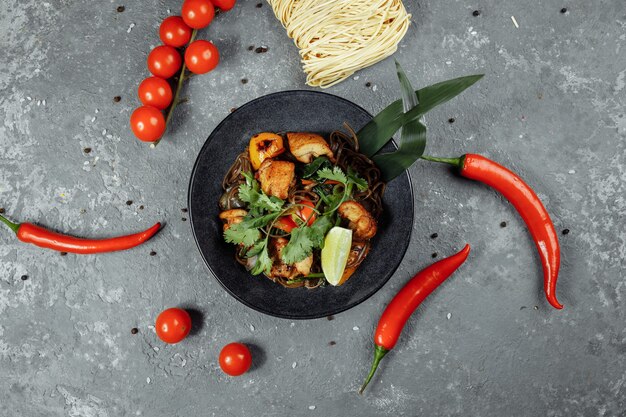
{"points": [[306, 111]]}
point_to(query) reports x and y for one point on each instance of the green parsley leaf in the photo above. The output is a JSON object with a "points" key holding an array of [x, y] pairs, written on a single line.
{"points": [[240, 233], [317, 231], [336, 175], [299, 247], [256, 248], [263, 262], [268, 203], [312, 168], [306, 238], [257, 200], [256, 222], [358, 181]]}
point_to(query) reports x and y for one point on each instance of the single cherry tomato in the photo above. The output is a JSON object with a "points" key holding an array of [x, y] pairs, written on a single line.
{"points": [[285, 223], [155, 92], [201, 56], [198, 13], [174, 32], [223, 5], [307, 213], [147, 123], [235, 359], [164, 61], [173, 325]]}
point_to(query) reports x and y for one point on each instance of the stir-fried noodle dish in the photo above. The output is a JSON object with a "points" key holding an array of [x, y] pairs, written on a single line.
{"points": [[300, 208]]}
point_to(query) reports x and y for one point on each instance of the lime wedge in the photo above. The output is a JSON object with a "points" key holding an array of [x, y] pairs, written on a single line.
{"points": [[335, 254]]}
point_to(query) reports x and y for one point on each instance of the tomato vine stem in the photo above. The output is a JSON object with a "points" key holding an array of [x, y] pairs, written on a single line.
{"points": [[179, 87]]}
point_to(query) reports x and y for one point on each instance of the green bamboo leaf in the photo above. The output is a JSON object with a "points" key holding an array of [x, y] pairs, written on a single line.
{"points": [[395, 163], [374, 135], [412, 139], [409, 96]]}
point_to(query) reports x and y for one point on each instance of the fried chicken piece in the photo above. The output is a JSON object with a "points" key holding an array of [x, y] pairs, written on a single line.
{"points": [[276, 177], [230, 217], [304, 266], [283, 270], [361, 221], [306, 146]]}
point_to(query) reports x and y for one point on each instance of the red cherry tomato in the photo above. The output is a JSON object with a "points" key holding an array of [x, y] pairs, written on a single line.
{"points": [[174, 32], [147, 123], [201, 56], [307, 213], [285, 223], [164, 61], [155, 92], [173, 325], [224, 5], [198, 13], [235, 359]]}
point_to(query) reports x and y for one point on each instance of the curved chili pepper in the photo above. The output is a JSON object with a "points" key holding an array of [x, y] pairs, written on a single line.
{"points": [[38, 236], [406, 301], [527, 204]]}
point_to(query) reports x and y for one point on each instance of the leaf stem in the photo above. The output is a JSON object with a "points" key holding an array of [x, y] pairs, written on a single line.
{"points": [[379, 353], [179, 87], [456, 162], [12, 226]]}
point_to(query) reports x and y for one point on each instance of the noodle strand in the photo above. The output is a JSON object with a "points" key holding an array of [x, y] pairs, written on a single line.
{"points": [[336, 38]]}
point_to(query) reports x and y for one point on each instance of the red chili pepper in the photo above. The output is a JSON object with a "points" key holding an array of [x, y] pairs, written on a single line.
{"points": [[527, 204], [30, 233], [406, 301]]}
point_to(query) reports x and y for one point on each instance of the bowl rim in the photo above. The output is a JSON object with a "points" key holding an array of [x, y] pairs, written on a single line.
{"points": [[335, 311]]}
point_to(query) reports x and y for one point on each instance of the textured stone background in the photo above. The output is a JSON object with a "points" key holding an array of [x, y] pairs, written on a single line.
{"points": [[487, 344]]}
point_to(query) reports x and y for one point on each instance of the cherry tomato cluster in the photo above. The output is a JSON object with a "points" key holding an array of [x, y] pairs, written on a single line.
{"points": [[155, 93], [174, 324]]}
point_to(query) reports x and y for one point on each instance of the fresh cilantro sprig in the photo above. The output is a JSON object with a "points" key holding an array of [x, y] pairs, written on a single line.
{"points": [[306, 238], [253, 233], [258, 201], [348, 181], [318, 163], [248, 231]]}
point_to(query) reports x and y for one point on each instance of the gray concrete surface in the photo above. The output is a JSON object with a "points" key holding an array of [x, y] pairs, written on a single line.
{"points": [[487, 344]]}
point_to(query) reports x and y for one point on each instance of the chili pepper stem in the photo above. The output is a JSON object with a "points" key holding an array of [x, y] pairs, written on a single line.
{"points": [[12, 226], [379, 353], [457, 162], [179, 87]]}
